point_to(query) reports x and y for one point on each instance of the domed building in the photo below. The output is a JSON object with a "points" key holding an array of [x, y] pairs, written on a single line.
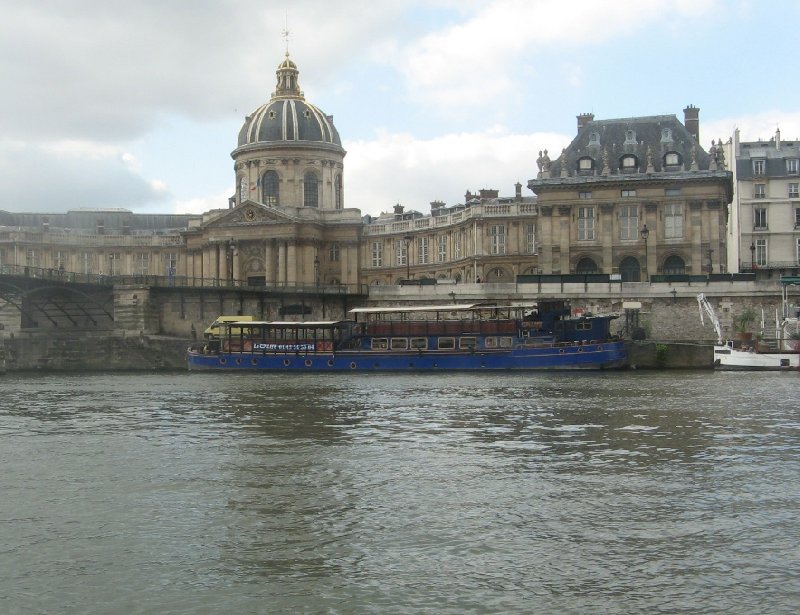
{"points": [[287, 223]]}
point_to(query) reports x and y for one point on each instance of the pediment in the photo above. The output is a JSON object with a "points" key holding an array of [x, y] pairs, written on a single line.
{"points": [[250, 213]]}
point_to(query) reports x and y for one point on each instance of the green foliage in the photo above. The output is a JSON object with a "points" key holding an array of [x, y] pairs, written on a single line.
{"points": [[661, 354], [745, 320]]}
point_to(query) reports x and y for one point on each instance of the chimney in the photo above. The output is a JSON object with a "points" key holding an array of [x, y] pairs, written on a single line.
{"points": [[777, 138], [398, 212], [691, 119], [518, 191], [583, 119]]}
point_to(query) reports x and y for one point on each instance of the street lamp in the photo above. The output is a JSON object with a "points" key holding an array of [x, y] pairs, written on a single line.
{"points": [[407, 239], [645, 232]]}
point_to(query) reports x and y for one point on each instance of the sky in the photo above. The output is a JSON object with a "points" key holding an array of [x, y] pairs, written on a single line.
{"points": [[137, 105]]}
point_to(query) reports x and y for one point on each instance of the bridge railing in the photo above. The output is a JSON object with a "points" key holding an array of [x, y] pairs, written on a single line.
{"points": [[100, 279]]}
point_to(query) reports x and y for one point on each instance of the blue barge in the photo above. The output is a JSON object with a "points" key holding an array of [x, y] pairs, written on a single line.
{"points": [[457, 337]]}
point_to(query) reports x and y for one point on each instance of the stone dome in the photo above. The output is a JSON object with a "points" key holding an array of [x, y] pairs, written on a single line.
{"points": [[288, 117]]}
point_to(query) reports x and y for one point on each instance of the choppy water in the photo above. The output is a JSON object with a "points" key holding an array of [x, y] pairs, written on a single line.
{"points": [[543, 493]]}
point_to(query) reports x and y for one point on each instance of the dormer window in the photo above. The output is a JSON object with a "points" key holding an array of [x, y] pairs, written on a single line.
{"points": [[585, 164], [594, 139], [792, 167], [628, 163], [759, 167], [672, 159], [630, 137], [666, 135]]}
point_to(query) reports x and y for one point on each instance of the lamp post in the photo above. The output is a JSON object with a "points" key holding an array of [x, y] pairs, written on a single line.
{"points": [[645, 232], [407, 239], [752, 256]]}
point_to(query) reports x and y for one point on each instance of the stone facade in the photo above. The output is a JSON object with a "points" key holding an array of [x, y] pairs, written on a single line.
{"points": [[635, 197], [764, 236]]}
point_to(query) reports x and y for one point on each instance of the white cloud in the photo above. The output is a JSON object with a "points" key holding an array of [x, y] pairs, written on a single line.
{"points": [[415, 172], [753, 127]]}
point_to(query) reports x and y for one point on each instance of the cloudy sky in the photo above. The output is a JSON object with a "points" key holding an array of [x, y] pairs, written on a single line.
{"points": [[138, 104]]}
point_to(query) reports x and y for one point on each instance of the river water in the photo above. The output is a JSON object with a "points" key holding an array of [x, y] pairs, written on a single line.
{"points": [[629, 492]]}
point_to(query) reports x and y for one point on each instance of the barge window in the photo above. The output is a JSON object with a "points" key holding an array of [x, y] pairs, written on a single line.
{"points": [[419, 343], [380, 343], [490, 342], [583, 326], [506, 342], [399, 343], [467, 343], [447, 343]]}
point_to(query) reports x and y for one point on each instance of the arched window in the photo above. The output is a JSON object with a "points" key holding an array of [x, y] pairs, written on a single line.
{"points": [[337, 186], [497, 274], [242, 190], [674, 265], [270, 188], [630, 270], [310, 190], [586, 265]]}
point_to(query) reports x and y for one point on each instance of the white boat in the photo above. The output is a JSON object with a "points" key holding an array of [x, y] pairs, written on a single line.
{"points": [[728, 356]]}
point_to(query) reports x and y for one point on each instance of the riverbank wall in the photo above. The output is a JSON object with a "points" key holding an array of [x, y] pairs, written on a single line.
{"points": [[96, 351]]}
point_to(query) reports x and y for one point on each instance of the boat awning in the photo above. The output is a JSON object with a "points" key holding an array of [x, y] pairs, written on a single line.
{"points": [[447, 307]]}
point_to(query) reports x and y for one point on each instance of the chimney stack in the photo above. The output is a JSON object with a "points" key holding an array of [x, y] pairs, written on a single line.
{"points": [[691, 119], [777, 138], [583, 119]]}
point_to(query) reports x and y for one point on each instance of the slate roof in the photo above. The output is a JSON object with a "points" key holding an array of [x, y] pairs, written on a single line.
{"points": [[648, 138]]}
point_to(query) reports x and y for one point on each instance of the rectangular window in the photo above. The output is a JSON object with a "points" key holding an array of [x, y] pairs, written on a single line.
{"points": [[627, 193], [86, 263], [797, 217], [100, 226], [334, 253], [399, 343], [447, 343], [497, 234], [759, 166], [31, 258], [792, 167], [794, 191], [113, 263], [380, 343], [797, 251], [457, 246], [141, 264], [530, 238], [760, 217], [419, 343], [422, 250], [377, 254], [672, 191], [467, 343], [761, 252], [441, 248], [171, 263], [401, 256], [760, 191], [586, 223], [59, 259], [629, 222], [584, 195], [673, 221]]}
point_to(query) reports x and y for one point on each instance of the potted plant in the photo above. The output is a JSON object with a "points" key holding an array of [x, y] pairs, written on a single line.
{"points": [[743, 323]]}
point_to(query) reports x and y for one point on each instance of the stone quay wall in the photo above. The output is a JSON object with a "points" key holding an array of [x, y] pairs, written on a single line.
{"points": [[153, 326]]}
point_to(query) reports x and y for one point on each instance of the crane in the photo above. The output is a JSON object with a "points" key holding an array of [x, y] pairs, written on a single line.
{"points": [[706, 307]]}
